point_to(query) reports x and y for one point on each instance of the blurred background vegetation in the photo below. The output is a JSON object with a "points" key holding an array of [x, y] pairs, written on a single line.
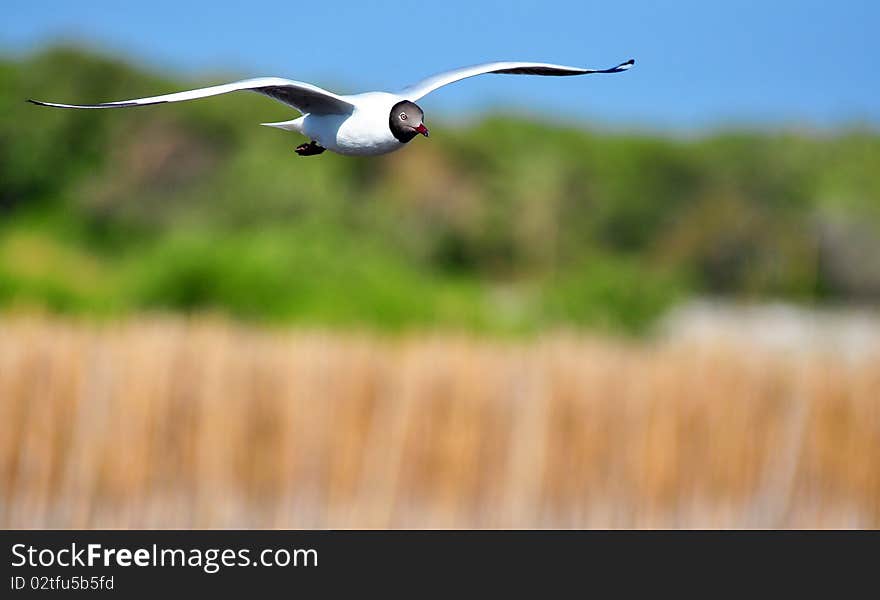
{"points": [[248, 412], [506, 225]]}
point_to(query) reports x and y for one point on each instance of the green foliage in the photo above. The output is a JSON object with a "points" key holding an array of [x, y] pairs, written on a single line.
{"points": [[583, 296], [507, 225]]}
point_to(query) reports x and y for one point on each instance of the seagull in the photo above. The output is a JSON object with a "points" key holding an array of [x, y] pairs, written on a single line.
{"points": [[365, 124]]}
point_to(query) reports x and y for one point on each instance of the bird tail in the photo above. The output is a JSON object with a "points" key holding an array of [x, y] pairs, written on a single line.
{"points": [[294, 125]]}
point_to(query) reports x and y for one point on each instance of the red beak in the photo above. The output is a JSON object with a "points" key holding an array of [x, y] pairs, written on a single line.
{"points": [[422, 129]]}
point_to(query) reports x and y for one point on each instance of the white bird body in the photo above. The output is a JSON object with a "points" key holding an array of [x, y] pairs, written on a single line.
{"points": [[365, 132], [365, 124]]}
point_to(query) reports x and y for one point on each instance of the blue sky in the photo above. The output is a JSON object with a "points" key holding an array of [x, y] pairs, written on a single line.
{"points": [[698, 64]]}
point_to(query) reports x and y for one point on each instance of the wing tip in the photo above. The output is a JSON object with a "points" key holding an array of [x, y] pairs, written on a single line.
{"points": [[120, 104], [49, 104], [624, 66]]}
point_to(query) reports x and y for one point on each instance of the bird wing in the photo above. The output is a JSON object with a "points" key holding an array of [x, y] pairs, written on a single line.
{"points": [[426, 86], [304, 97]]}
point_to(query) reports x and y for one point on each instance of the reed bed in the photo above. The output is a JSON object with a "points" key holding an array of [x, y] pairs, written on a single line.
{"points": [[201, 423]]}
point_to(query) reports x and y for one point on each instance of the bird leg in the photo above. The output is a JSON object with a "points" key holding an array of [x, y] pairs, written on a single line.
{"points": [[310, 149]]}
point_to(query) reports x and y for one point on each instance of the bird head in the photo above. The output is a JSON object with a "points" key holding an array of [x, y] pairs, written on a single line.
{"points": [[406, 121]]}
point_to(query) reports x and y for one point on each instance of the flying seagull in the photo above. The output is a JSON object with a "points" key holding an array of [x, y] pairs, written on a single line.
{"points": [[361, 124]]}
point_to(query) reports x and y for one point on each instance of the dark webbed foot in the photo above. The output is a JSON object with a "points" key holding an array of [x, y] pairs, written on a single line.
{"points": [[310, 149]]}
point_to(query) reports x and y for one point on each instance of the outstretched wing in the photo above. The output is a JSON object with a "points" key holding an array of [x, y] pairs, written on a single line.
{"points": [[426, 86], [304, 97]]}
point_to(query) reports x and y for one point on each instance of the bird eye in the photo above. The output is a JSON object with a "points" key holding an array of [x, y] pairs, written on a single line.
{"points": [[403, 116]]}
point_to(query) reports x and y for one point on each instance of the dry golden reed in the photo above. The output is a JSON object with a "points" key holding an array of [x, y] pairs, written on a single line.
{"points": [[202, 423]]}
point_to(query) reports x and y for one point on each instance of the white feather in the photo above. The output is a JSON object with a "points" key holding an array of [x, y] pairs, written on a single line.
{"points": [[294, 125]]}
